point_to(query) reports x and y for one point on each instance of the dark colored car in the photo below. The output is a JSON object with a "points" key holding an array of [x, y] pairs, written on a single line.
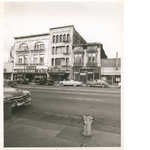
{"points": [[43, 81], [98, 83], [11, 83], [22, 81], [15, 96]]}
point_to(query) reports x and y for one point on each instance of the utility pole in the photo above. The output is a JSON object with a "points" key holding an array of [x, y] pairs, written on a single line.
{"points": [[24, 66]]}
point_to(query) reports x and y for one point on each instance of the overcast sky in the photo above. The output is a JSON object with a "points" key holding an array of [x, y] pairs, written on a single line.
{"points": [[97, 21]]}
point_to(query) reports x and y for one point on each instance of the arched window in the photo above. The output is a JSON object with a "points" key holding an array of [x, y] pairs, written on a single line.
{"points": [[53, 50], [60, 38], [68, 37], [54, 39], [20, 59], [64, 37], [39, 45], [23, 47]]}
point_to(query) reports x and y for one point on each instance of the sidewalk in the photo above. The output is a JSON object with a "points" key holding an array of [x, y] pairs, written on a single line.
{"points": [[20, 132]]}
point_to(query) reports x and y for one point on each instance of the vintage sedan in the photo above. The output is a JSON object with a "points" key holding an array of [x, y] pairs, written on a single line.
{"points": [[16, 96], [98, 83], [71, 82]]}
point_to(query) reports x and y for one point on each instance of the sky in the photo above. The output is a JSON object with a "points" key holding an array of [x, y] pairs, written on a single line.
{"points": [[97, 21]]}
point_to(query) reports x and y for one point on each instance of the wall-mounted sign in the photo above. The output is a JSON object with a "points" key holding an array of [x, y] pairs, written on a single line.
{"points": [[57, 70], [30, 70], [82, 74], [30, 67]]}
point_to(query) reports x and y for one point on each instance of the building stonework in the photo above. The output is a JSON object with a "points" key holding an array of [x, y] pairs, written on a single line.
{"points": [[61, 54]]}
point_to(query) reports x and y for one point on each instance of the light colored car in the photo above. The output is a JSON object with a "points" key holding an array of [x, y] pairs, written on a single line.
{"points": [[16, 96], [119, 84], [71, 82], [98, 83]]}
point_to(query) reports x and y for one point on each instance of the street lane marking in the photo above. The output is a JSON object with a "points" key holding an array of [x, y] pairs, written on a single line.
{"points": [[78, 93], [86, 99], [59, 89]]}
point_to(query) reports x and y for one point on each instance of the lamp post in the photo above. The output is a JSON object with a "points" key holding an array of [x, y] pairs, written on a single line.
{"points": [[24, 67]]}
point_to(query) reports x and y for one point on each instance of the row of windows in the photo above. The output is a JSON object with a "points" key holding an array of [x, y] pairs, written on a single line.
{"points": [[60, 50], [36, 59], [37, 46], [60, 61], [78, 58], [61, 38]]}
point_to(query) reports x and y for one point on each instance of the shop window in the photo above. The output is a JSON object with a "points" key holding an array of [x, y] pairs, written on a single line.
{"points": [[42, 58], [90, 77], [35, 58], [23, 47], [96, 76], [39, 45]]}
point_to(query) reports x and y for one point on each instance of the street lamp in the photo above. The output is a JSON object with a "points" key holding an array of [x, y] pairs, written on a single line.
{"points": [[24, 67]]}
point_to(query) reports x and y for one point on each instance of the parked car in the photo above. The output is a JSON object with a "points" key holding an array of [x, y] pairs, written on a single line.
{"points": [[22, 81], [11, 83], [98, 83], [119, 84], [16, 96], [71, 82], [43, 81]]}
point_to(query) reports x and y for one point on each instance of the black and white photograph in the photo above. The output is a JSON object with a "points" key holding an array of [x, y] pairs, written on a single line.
{"points": [[62, 74]]}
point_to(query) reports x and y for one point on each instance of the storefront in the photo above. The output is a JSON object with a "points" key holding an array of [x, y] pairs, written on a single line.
{"points": [[57, 75], [29, 73], [86, 74]]}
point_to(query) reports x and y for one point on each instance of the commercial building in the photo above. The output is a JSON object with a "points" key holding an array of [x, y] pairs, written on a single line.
{"points": [[111, 69], [31, 56], [61, 52], [87, 61]]}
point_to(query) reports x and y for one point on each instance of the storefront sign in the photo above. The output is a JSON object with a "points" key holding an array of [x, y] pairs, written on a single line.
{"points": [[76, 72], [90, 72], [30, 70], [30, 67], [82, 74], [57, 70]]}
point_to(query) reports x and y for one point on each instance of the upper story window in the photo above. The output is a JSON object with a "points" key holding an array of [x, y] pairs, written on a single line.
{"points": [[78, 58], [35, 58], [54, 39], [42, 58], [68, 37], [91, 57], [67, 49], [23, 47], [39, 45], [53, 50], [25, 59], [60, 38], [64, 37], [20, 59]]}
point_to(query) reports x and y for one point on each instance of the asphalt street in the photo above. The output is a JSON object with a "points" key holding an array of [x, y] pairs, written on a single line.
{"points": [[66, 105]]}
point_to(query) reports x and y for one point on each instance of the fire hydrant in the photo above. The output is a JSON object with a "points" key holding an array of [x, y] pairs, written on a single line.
{"points": [[87, 121]]}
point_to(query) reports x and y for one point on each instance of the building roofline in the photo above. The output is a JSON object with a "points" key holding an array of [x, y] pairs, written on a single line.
{"points": [[33, 35], [87, 44], [63, 27]]}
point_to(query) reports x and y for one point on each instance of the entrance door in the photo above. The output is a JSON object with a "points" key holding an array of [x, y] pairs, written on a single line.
{"points": [[83, 79]]}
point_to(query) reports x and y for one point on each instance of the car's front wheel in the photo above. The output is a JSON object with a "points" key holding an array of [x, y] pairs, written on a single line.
{"points": [[74, 85], [61, 84], [103, 86], [88, 85]]}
